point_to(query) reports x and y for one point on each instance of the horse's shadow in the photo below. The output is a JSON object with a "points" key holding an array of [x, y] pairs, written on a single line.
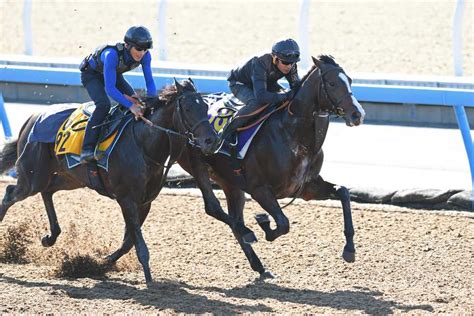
{"points": [[358, 300], [182, 298], [162, 294]]}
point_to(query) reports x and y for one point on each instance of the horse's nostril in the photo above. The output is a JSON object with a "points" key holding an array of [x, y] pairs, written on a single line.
{"points": [[208, 141], [356, 115]]}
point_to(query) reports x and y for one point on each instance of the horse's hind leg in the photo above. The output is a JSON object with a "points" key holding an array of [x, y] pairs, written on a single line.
{"points": [[34, 174], [57, 183], [127, 243], [49, 240], [319, 189], [235, 203]]}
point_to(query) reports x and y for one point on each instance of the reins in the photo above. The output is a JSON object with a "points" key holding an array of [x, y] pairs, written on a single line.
{"points": [[188, 135]]}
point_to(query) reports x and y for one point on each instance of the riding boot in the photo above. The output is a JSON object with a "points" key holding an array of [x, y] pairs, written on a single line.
{"points": [[88, 146], [229, 134]]}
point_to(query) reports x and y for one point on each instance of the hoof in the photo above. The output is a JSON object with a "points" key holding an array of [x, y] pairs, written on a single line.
{"points": [[47, 241], [262, 218], [266, 275], [249, 238], [348, 256]]}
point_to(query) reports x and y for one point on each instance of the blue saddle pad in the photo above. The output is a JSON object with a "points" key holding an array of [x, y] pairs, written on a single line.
{"points": [[48, 123]]}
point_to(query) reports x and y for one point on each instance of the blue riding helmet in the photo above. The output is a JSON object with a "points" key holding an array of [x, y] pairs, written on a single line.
{"points": [[139, 36], [287, 51]]}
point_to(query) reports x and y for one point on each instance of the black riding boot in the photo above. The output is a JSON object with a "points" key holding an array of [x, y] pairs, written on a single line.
{"points": [[90, 141], [229, 134]]}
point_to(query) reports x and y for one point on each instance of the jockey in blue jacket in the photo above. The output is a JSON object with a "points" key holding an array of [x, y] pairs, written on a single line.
{"points": [[102, 76]]}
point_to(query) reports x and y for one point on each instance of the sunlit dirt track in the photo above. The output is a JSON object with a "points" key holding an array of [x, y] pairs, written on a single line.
{"points": [[407, 261]]}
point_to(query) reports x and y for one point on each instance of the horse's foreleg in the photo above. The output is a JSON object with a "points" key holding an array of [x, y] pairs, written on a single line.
{"points": [[127, 243], [132, 222], [269, 203], [236, 201], [320, 189], [49, 240], [213, 208]]}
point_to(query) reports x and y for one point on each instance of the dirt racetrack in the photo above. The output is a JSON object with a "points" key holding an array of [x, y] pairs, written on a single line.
{"points": [[407, 261]]}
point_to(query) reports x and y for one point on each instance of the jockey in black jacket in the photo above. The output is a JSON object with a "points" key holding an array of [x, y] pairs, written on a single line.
{"points": [[256, 82]]}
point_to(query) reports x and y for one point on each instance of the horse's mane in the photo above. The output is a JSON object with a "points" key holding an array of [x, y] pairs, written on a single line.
{"points": [[327, 59], [170, 91]]}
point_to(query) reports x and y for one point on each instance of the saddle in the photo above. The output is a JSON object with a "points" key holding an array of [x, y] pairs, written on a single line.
{"points": [[222, 109], [112, 122], [70, 135]]}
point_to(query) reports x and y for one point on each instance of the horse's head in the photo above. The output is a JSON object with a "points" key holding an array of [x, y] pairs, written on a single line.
{"points": [[190, 117], [335, 93]]}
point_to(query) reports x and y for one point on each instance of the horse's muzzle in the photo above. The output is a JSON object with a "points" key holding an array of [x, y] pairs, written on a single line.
{"points": [[210, 145], [355, 120]]}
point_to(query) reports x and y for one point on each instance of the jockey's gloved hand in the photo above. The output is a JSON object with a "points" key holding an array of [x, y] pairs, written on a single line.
{"points": [[137, 110], [134, 98]]}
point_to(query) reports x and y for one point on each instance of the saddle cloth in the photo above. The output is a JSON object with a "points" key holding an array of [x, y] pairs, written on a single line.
{"points": [[222, 107], [64, 125], [70, 135]]}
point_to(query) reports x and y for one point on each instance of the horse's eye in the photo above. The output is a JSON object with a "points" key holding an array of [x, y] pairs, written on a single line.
{"points": [[332, 84]]}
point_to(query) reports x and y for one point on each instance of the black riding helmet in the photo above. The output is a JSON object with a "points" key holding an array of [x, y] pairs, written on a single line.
{"points": [[287, 51], [139, 36]]}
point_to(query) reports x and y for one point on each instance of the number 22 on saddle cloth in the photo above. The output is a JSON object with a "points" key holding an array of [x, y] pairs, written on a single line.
{"points": [[70, 135]]}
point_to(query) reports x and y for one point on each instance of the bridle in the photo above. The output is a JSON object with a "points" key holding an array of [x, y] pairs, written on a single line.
{"points": [[335, 109], [189, 130], [183, 120], [188, 135]]}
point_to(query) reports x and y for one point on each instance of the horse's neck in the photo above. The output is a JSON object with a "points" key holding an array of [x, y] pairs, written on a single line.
{"points": [[303, 122], [304, 103], [154, 141], [164, 116]]}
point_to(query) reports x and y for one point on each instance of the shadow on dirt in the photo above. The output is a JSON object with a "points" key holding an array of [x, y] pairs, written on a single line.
{"points": [[358, 300], [182, 298]]}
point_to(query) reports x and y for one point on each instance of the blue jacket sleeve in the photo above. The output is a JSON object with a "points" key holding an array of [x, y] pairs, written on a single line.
{"points": [[259, 82], [146, 67], [110, 60]]}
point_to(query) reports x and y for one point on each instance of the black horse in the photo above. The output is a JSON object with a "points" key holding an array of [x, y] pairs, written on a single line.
{"points": [[136, 167], [284, 160]]}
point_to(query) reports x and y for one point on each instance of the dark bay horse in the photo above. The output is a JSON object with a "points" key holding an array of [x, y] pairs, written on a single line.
{"points": [[284, 160], [136, 165]]}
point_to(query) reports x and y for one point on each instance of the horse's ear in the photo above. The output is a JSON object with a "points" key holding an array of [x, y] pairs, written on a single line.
{"points": [[193, 85], [317, 62], [179, 87]]}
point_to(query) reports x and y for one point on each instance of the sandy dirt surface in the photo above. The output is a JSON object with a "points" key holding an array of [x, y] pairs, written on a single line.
{"points": [[407, 261], [401, 37]]}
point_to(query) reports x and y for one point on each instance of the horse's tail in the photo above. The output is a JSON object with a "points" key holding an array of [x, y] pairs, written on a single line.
{"points": [[8, 156]]}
